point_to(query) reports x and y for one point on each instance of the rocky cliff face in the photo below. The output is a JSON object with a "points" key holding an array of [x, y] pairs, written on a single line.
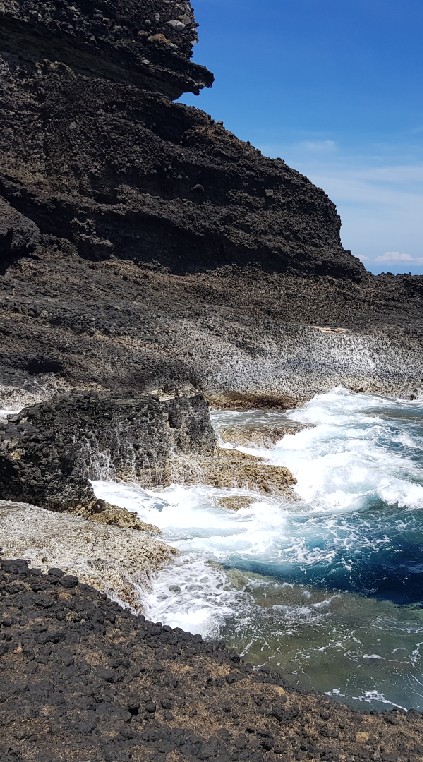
{"points": [[93, 149], [139, 239]]}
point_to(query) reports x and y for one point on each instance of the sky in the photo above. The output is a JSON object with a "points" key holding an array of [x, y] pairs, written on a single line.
{"points": [[335, 88]]}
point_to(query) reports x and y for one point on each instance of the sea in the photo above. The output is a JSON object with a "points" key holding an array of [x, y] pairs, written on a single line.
{"points": [[326, 588]]}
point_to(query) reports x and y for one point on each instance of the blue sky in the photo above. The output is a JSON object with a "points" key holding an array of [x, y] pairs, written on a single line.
{"points": [[334, 87]]}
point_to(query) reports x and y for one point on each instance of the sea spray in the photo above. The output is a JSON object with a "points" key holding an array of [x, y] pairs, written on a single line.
{"points": [[328, 587]]}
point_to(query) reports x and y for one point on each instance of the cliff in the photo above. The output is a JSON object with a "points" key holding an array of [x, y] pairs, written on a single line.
{"points": [[140, 240], [94, 150]]}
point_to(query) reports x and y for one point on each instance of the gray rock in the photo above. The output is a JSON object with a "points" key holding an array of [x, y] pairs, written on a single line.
{"points": [[19, 236], [176, 24]]}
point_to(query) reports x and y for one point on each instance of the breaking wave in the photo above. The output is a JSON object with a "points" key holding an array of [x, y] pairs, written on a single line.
{"points": [[328, 587]]}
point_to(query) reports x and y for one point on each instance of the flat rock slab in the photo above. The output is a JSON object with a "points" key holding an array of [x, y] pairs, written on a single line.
{"points": [[115, 561], [265, 435], [82, 679]]}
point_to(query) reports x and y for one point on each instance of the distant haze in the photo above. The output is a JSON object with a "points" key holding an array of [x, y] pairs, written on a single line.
{"points": [[335, 89]]}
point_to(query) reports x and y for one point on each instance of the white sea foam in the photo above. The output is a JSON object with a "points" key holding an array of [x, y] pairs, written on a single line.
{"points": [[371, 656], [193, 595], [375, 697], [4, 413], [356, 451], [340, 463], [346, 456], [191, 519]]}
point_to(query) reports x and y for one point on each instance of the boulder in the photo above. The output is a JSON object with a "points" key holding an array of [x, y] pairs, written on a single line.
{"points": [[49, 452]]}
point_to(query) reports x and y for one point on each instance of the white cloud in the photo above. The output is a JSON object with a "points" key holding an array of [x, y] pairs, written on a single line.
{"points": [[398, 256], [319, 146], [394, 256], [378, 193]]}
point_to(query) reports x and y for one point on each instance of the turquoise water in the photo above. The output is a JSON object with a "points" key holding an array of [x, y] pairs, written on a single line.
{"points": [[327, 588]]}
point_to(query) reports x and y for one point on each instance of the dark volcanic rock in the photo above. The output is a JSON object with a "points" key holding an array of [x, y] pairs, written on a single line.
{"points": [[95, 151], [138, 235], [112, 325], [48, 453], [82, 679], [148, 43], [19, 236]]}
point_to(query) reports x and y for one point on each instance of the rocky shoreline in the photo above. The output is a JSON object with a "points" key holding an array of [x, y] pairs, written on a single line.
{"points": [[141, 241], [150, 261], [207, 703], [50, 452], [129, 330], [116, 560], [84, 679]]}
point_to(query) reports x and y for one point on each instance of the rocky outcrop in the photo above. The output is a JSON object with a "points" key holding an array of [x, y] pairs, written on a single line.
{"points": [[253, 436], [116, 561], [48, 453], [230, 469], [149, 45], [272, 339], [51, 451], [19, 236]]}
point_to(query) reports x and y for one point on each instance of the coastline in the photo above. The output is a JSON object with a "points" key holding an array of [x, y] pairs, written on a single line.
{"points": [[152, 328], [117, 561], [215, 694], [140, 689], [151, 262]]}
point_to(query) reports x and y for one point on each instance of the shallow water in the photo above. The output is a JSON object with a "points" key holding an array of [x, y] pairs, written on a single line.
{"points": [[328, 588]]}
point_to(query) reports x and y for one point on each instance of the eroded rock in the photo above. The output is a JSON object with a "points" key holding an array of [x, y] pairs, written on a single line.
{"points": [[19, 236], [49, 452], [114, 560], [265, 435], [164, 239], [230, 468], [235, 502]]}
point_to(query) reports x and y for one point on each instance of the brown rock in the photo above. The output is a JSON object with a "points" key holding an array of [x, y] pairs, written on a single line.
{"points": [[235, 502], [115, 560], [230, 469], [113, 515], [266, 435]]}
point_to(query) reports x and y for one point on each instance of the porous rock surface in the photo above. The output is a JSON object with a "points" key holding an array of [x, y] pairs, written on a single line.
{"points": [[139, 239], [49, 452], [265, 435], [111, 325], [229, 469], [83, 679], [94, 151], [114, 560]]}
